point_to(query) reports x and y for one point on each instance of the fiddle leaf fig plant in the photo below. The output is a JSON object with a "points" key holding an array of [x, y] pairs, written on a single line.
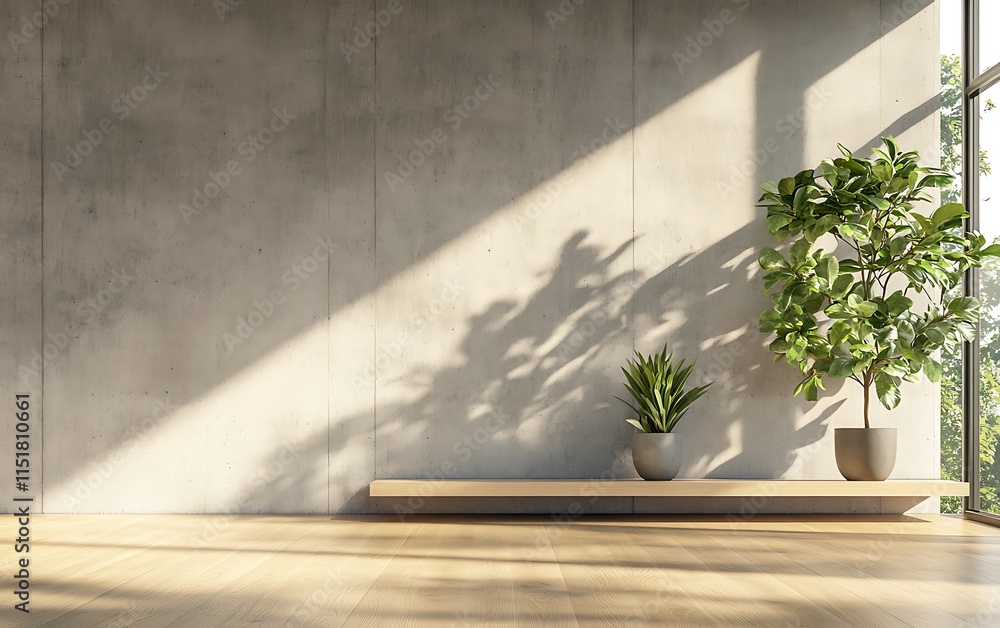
{"points": [[875, 302]]}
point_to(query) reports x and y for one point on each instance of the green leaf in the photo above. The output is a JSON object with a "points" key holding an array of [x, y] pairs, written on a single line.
{"points": [[799, 251], [839, 332], [828, 268], [925, 224], [897, 303], [880, 203], [799, 200], [883, 171], [887, 389], [992, 250], [770, 187], [811, 392], [770, 258], [769, 321], [936, 181], [932, 369], [842, 367], [961, 305], [796, 349], [853, 231], [839, 311], [808, 387], [935, 335], [898, 245], [905, 332], [891, 146], [946, 213], [841, 286], [775, 222], [786, 186], [637, 424], [866, 308]]}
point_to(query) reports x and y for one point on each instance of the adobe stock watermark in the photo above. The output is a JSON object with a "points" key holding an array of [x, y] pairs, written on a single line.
{"points": [[463, 450], [453, 118], [588, 327], [878, 548], [249, 149], [545, 195], [388, 352], [259, 480], [753, 506], [903, 11], [86, 312], [294, 277], [988, 616], [592, 491], [714, 28], [122, 108], [31, 26], [785, 128], [614, 571], [563, 11], [365, 35], [128, 615], [319, 599], [99, 472], [224, 7]]}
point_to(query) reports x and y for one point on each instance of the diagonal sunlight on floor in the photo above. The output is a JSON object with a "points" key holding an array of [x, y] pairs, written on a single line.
{"points": [[164, 571]]}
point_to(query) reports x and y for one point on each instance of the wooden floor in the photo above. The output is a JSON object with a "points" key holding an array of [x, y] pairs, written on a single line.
{"points": [[192, 571]]}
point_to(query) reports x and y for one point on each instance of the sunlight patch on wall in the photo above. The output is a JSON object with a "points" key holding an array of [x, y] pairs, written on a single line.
{"points": [[253, 437]]}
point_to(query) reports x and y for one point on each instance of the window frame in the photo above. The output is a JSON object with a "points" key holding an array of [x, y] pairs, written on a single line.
{"points": [[974, 84]]}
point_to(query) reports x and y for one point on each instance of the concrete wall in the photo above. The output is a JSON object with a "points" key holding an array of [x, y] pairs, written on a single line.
{"points": [[293, 259]]}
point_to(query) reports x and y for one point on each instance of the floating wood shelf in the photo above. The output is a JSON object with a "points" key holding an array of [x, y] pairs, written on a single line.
{"points": [[673, 488]]}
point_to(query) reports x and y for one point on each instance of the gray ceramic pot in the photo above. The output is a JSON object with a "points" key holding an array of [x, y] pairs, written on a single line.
{"points": [[866, 454], [657, 456]]}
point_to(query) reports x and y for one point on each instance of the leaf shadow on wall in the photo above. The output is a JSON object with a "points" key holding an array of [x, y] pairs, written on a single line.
{"points": [[530, 375]]}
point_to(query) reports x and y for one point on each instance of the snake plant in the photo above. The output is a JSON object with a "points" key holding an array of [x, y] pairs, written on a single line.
{"points": [[656, 384]]}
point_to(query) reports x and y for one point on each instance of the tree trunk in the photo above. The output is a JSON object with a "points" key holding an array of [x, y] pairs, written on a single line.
{"points": [[868, 387]]}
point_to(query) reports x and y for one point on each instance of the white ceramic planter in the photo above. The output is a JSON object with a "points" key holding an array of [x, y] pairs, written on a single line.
{"points": [[865, 454], [657, 456]]}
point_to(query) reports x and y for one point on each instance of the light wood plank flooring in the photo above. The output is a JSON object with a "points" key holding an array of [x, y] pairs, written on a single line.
{"points": [[183, 571]]}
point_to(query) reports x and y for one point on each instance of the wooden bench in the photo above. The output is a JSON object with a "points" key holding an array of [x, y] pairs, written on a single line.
{"points": [[673, 488]]}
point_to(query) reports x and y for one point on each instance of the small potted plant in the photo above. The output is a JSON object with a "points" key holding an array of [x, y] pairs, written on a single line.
{"points": [[656, 384], [878, 304]]}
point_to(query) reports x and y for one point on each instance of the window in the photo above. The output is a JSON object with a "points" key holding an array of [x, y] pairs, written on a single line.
{"points": [[981, 193], [989, 293]]}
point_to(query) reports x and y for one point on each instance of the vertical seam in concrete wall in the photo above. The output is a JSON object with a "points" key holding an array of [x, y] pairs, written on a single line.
{"points": [[632, 133], [881, 38], [375, 249], [329, 277], [41, 251], [631, 323]]}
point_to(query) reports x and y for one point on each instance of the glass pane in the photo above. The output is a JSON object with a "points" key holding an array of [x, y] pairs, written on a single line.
{"points": [[989, 216], [951, 159], [989, 43]]}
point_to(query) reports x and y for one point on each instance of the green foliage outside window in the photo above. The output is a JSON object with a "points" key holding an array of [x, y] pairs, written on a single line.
{"points": [[951, 385]]}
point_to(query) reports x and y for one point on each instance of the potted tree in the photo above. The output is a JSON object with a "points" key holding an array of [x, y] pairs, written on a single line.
{"points": [[656, 384], [867, 289]]}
